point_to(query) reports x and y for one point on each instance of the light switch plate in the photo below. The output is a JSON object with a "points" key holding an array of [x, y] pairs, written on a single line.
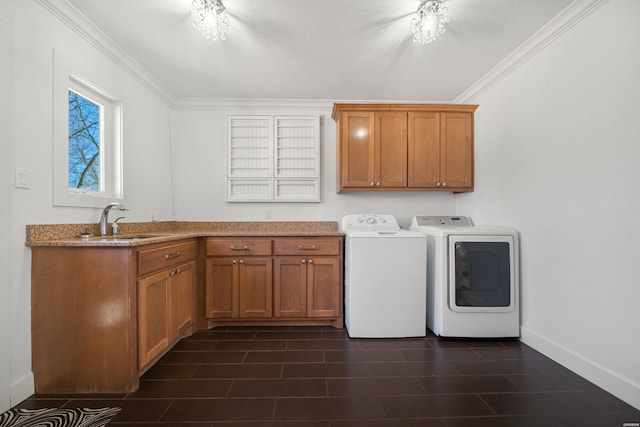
{"points": [[23, 178]]}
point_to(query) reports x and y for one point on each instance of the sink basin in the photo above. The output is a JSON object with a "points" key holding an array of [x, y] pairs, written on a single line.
{"points": [[126, 237], [130, 236]]}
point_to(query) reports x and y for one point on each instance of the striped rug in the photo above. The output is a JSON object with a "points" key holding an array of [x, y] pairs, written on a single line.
{"points": [[57, 417]]}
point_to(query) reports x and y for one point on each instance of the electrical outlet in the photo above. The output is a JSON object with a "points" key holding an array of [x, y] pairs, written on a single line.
{"points": [[268, 215]]}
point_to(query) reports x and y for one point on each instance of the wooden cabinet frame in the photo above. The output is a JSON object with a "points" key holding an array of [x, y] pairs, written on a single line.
{"points": [[279, 280], [404, 147], [101, 316]]}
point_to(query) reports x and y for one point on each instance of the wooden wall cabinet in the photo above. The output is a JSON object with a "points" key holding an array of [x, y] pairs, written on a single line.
{"points": [[408, 147], [375, 152], [280, 280]]}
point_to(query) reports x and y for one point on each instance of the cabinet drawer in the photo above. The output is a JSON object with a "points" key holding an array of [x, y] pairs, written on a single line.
{"points": [[307, 246], [238, 247], [164, 257]]}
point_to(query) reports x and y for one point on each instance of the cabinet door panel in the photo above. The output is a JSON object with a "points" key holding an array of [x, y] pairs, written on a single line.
{"points": [[182, 287], [424, 149], [221, 288], [390, 149], [323, 287], [356, 150], [457, 151], [290, 287], [152, 316], [255, 289]]}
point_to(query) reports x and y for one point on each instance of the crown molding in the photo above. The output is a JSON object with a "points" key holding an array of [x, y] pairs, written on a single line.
{"points": [[563, 22], [251, 103], [81, 25]]}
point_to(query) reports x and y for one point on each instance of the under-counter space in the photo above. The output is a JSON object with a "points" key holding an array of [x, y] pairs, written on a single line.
{"points": [[105, 310]]}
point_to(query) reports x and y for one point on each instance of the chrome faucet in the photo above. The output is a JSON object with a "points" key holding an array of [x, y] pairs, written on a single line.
{"points": [[104, 218]]}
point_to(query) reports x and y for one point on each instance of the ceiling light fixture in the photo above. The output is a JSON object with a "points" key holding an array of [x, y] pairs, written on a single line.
{"points": [[210, 17], [428, 22]]}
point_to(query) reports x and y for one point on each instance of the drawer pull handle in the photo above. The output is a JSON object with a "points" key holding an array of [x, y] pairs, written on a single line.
{"points": [[239, 248], [173, 255], [307, 248]]}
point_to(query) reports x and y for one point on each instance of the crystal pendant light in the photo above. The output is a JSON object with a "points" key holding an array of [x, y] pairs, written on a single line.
{"points": [[428, 22], [210, 17]]}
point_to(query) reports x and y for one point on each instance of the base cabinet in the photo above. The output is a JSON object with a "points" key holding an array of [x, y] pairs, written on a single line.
{"points": [[238, 288], [300, 282], [153, 317], [165, 310], [166, 291], [101, 316], [307, 287], [290, 287], [323, 287]]}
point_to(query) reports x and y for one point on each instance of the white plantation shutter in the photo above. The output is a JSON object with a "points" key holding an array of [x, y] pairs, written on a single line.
{"points": [[273, 158]]}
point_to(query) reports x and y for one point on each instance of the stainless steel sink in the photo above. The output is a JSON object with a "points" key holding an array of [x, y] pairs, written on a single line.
{"points": [[129, 236]]}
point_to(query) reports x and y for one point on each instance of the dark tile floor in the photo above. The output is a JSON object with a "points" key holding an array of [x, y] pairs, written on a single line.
{"points": [[318, 376]]}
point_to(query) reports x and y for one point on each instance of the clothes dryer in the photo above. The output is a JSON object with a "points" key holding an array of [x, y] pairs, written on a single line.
{"points": [[472, 278]]}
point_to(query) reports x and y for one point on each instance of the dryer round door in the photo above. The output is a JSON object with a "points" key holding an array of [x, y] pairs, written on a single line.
{"points": [[482, 273]]}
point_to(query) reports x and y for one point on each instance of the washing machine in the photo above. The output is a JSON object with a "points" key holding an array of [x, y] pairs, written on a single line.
{"points": [[472, 277], [385, 278]]}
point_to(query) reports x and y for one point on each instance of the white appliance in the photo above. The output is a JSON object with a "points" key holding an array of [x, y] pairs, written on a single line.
{"points": [[473, 278], [385, 278]]}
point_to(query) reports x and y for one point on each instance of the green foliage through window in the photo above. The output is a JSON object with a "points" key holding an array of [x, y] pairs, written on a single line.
{"points": [[85, 137]]}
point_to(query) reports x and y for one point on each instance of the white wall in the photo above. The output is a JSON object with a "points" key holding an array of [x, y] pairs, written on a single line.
{"points": [[557, 151], [198, 138], [5, 183], [147, 162]]}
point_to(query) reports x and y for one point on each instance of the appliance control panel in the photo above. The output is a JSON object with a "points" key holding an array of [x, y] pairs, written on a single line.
{"points": [[369, 222], [454, 221]]}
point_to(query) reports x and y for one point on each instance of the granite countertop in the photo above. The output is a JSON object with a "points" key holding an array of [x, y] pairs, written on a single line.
{"points": [[145, 233]]}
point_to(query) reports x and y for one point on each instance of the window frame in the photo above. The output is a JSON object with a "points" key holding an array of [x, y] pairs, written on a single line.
{"points": [[66, 80]]}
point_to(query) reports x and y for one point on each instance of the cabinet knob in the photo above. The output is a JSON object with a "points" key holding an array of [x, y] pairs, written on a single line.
{"points": [[241, 262], [373, 184], [377, 184], [438, 184], [304, 261], [234, 262], [310, 261], [444, 184]]}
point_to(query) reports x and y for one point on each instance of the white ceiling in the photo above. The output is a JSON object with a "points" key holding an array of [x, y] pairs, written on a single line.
{"points": [[319, 49]]}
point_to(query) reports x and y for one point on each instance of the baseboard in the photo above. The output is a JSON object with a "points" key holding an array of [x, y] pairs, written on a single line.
{"points": [[22, 388], [601, 376]]}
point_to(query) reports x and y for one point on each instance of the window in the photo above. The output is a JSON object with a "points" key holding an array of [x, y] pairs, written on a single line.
{"points": [[273, 158], [87, 168], [85, 143]]}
